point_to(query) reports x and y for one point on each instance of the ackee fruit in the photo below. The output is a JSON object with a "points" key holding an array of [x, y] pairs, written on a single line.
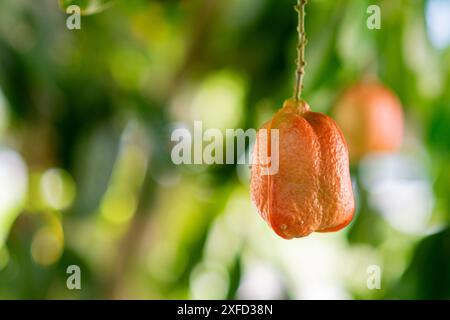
{"points": [[312, 189], [371, 118]]}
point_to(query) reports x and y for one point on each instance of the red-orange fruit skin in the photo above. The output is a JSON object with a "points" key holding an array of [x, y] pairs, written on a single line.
{"points": [[371, 118], [312, 190]]}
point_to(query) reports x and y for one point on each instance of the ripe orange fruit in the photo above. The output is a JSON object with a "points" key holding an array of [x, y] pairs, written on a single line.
{"points": [[312, 190], [371, 118]]}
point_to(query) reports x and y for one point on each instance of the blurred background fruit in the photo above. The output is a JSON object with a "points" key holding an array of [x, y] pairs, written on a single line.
{"points": [[371, 118]]}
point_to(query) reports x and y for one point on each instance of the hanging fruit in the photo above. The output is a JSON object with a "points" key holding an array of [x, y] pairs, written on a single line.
{"points": [[371, 118], [311, 190]]}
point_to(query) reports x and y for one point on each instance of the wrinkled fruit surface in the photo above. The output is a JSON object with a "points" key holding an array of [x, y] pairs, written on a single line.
{"points": [[312, 190], [371, 118]]}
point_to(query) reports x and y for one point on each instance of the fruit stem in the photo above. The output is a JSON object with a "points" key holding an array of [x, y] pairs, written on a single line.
{"points": [[302, 41]]}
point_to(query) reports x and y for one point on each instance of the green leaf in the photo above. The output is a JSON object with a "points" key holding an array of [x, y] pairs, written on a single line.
{"points": [[87, 7]]}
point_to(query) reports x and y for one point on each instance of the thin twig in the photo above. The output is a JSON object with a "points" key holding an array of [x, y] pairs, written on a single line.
{"points": [[302, 41]]}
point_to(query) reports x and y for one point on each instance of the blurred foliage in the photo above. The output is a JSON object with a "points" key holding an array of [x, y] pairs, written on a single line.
{"points": [[85, 171], [86, 6]]}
